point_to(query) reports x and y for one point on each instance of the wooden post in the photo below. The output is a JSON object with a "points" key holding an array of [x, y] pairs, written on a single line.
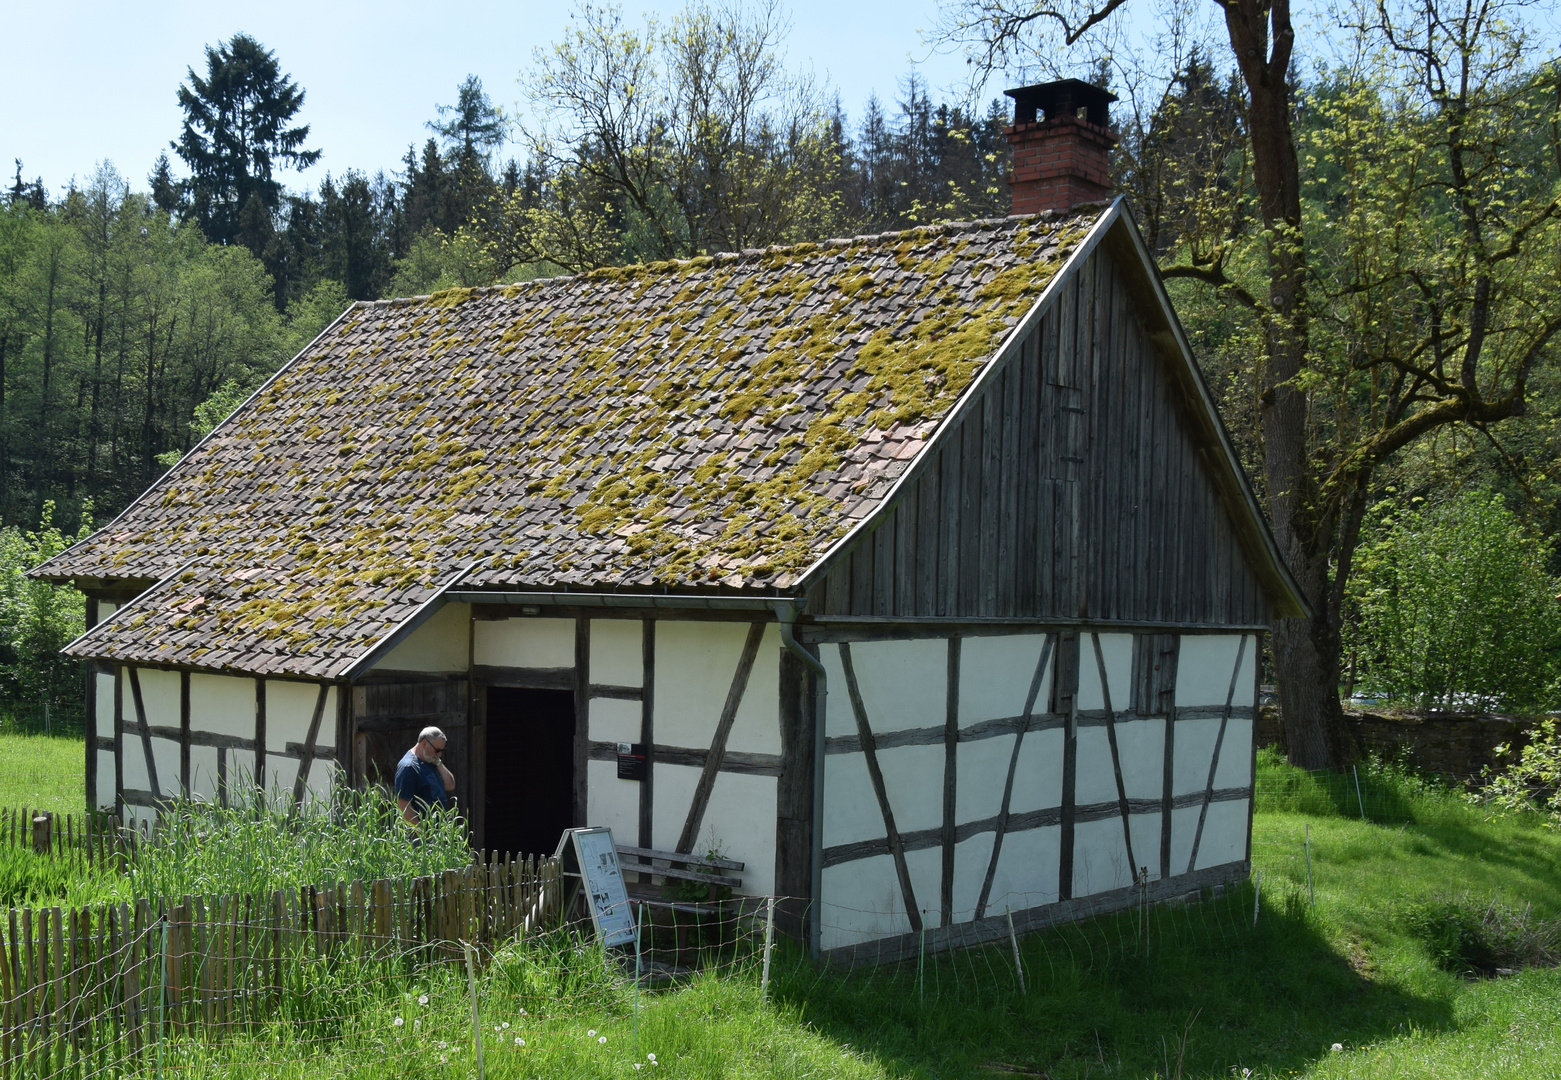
{"points": [[41, 831]]}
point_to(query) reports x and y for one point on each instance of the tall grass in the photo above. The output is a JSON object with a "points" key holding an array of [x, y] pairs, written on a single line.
{"points": [[262, 842], [256, 844]]}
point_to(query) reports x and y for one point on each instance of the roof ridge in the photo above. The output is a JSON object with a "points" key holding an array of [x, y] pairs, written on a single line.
{"points": [[802, 247]]}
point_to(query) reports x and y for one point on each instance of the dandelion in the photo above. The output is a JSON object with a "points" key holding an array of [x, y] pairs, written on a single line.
{"points": [[650, 1057], [591, 1034], [505, 1024], [397, 1022], [519, 1041], [1337, 1047], [602, 1040], [522, 1012], [444, 1046], [422, 999]]}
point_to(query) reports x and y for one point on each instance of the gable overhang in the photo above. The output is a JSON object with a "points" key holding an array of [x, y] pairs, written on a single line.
{"points": [[1118, 231]]}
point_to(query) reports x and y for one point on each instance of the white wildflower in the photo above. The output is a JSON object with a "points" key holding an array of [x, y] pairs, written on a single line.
{"points": [[591, 1034], [519, 1041], [505, 1024], [1337, 1047], [602, 1040], [422, 999], [650, 1057], [398, 1021]]}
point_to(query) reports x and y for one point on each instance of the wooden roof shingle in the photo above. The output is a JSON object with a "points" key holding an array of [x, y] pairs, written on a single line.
{"points": [[713, 424]]}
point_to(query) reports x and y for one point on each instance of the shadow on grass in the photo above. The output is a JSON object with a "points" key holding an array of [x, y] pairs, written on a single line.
{"points": [[1110, 996]]}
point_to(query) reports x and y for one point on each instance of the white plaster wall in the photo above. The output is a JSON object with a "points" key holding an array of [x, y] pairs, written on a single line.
{"points": [[617, 652], [134, 769], [105, 704], [1204, 667], [1146, 842], [674, 793], [203, 773], [913, 779], [222, 704], [1027, 870], [440, 644], [995, 675], [1038, 778], [861, 903], [241, 772], [1117, 651], [160, 696], [756, 728], [903, 685], [615, 720], [525, 643], [322, 780], [1224, 834], [1184, 825], [1100, 857], [105, 765], [1235, 767], [926, 870], [970, 862], [1141, 747], [1194, 752], [611, 802], [851, 812], [740, 820], [695, 662], [982, 772], [1095, 779], [281, 774], [289, 708]]}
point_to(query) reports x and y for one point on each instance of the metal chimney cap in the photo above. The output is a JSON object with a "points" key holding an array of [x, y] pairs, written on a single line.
{"points": [[1064, 97]]}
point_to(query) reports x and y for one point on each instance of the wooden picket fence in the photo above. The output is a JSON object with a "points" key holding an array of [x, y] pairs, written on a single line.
{"points": [[93, 837], [89, 990]]}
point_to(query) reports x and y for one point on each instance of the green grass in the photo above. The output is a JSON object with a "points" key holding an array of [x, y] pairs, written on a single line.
{"points": [[1193, 990], [43, 773]]}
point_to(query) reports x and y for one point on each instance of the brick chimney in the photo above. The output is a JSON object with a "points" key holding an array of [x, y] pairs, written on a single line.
{"points": [[1062, 140]]}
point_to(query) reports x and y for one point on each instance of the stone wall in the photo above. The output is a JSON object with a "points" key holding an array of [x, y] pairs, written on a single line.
{"points": [[1455, 745]]}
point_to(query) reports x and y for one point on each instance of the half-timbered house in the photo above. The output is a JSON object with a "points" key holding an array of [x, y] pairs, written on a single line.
{"points": [[915, 571]]}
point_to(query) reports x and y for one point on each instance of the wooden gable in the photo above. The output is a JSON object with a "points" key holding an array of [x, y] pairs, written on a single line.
{"points": [[1082, 479]]}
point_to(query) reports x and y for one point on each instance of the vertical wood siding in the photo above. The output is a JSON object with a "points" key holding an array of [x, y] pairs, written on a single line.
{"points": [[1074, 488]]}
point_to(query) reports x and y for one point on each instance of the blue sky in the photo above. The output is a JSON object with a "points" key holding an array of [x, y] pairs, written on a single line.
{"points": [[84, 82]]}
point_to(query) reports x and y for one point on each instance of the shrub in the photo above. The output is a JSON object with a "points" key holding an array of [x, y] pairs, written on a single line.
{"points": [[1531, 782], [1469, 938], [1453, 608]]}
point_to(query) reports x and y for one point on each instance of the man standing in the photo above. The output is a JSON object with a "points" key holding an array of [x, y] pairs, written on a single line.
{"points": [[422, 781]]}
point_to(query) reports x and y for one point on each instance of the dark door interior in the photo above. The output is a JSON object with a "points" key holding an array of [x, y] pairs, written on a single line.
{"points": [[389, 717], [531, 774]]}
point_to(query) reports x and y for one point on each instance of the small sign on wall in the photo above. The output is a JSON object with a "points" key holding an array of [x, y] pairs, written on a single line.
{"points": [[631, 761]]}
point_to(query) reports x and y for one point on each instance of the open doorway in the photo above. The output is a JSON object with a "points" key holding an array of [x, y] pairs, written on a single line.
{"points": [[530, 769]]}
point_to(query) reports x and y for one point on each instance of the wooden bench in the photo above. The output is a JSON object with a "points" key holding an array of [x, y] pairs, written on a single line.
{"points": [[649, 864]]}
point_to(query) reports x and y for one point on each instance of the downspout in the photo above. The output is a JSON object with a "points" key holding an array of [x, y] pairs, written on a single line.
{"points": [[787, 614]]}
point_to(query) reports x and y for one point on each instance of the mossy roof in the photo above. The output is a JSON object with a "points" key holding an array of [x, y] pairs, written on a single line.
{"points": [[714, 425]]}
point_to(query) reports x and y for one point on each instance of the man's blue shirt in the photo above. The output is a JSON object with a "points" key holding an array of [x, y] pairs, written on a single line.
{"points": [[420, 784]]}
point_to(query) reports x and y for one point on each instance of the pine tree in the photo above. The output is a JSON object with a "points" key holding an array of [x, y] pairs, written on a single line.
{"points": [[235, 131]]}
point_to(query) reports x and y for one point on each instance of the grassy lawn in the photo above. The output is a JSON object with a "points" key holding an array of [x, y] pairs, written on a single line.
{"points": [[42, 773], [1190, 990]]}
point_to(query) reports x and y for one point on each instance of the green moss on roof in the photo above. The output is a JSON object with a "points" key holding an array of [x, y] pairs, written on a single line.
{"points": [[710, 421]]}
